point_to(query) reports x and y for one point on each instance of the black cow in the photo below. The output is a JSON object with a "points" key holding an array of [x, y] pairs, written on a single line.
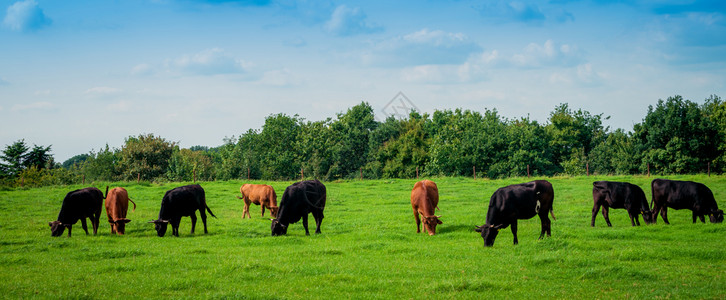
{"points": [[684, 195], [609, 194], [182, 202], [78, 204], [300, 199], [518, 201]]}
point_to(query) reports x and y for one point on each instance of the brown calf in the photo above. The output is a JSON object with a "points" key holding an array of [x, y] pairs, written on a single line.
{"points": [[259, 194], [117, 204], [424, 199]]}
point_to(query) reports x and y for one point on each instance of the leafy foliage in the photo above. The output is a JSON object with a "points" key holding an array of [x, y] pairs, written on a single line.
{"points": [[676, 136]]}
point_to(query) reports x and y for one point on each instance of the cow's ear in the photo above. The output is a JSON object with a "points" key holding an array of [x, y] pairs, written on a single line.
{"points": [[498, 226], [50, 224], [123, 220]]}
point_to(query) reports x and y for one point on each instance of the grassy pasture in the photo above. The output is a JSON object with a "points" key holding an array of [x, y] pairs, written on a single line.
{"points": [[368, 249]]}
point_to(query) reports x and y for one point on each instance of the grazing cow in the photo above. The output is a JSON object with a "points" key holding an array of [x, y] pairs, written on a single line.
{"points": [[518, 201], [609, 194], [78, 204], [300, 199], [117, 204], [259, 194], [424, 199], [182, 202], [684, 195]]}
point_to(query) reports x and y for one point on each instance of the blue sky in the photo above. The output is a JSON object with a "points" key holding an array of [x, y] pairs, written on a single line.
{"points": [[80, 74]]}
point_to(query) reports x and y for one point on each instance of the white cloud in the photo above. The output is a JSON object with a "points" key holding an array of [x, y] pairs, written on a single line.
{"points": [[347, 21], [102, 90], [142, 69], [37, 106], [25, 16], [213, 61], [423, 47], [548, 54]]}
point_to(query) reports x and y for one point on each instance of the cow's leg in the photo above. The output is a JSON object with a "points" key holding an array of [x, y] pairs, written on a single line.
{"points": [[318, 215], [263, 210], [703, 218], [246, 210], [203, 215], [546, 224], [193, 216], [514, 231], [637, 220], [632, 221], [69, 230], [418, 222], [83, 224], [95, 222], [595, 209], [664, 214], [654, 212], [175, 226], [305, 223], [606, 215], [113, 227]]}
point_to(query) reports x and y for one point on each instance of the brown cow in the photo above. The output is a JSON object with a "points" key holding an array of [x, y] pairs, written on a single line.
{"points": [[117, 204], [259, 194], [424, 199]]}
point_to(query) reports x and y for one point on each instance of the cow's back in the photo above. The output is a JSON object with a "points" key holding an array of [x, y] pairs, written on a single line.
{"points": [[117, 203], [425, 192], [182, 201], [259, 194], [79, 204]]}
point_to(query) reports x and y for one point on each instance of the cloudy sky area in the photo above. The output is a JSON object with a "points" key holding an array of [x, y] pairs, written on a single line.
{"points": [[80, 74]]}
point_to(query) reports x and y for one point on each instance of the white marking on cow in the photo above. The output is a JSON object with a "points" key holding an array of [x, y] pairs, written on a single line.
{"points": [[536, 208]]}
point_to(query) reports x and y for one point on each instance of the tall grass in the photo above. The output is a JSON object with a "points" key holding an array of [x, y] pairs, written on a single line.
{"points": [[368, 248]]}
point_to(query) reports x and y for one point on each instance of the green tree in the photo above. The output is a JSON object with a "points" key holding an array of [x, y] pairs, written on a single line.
{"points": [[677, 137], [316, 144], [463, 140], [353, 130], [277, 146], [526, 143], [400, 156], [102, 165], [146, 155], [184, 164], [573, 135], [714, 109], [38, 157], [75, 160], [13, 156]]}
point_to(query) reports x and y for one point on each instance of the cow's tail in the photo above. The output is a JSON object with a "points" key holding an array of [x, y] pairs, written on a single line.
{"points": [[132, 201], [105, 195], [209, 210], [552, 213]]}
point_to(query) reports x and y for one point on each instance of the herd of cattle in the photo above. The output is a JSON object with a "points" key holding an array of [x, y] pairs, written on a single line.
{"points": [[506, 206]]}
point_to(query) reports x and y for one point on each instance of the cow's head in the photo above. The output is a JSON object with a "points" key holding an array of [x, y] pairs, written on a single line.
{"points": [[119, 225], [648, 217], [430, 223], [273, 211], [160, 226], [716, 216], [278, 228], [489, 233], [57, 228]]}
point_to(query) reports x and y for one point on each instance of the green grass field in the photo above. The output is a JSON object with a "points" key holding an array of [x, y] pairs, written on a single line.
{"points": [[368, 248]]}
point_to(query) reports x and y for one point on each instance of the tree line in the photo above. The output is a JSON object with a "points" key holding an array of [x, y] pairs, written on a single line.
{"points": [[676, 136]]}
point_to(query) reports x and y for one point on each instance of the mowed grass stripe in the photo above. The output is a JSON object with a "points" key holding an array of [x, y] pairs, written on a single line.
{"points": [[368, 249]]}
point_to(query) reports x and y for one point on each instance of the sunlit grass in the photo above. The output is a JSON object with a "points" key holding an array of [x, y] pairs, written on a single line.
{"points": [[368, 248]]}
